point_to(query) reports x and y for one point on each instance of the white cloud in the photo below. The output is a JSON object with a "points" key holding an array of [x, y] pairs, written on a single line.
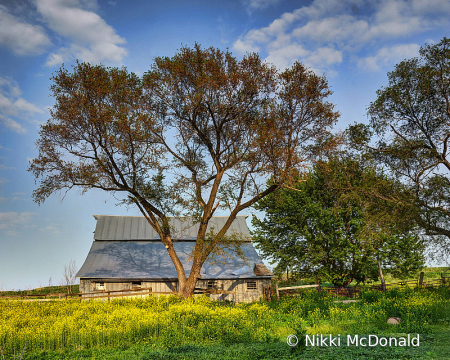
{"points": [[436, 6], [325, 31], [242, 47], [333, 29], [14, 197], [387, 56], [12, 105], [92, 38], [324, 56], [55, 59], [261, 4], [22, 38], [286, 55], [48, 229], [12, 125], [9, 87], [6, 106], [23, 105], [13, 220]]}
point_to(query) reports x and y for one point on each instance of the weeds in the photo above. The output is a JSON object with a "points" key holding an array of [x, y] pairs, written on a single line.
{"points": [[171, 322]]}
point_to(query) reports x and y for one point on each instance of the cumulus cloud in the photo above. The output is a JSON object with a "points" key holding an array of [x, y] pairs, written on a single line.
{"points": [[388, 55], [10, 87], [48, 229], [92, 39], [12, 125], [9, 221], [55, 59], [14, 106], [261, 4], [325, 31], [20, 37], [14, 196]]}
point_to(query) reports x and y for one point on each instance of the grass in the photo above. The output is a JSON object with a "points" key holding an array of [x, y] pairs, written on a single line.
{"points": [[173, 328], [435, 346], [42, 290], [429, 273]]}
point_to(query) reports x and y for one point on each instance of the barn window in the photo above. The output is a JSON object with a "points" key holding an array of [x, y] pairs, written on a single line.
{"points": [[211, 284], [136, 284], [99, 286], [251, 285]]}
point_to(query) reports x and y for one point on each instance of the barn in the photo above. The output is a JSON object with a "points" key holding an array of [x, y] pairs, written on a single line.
{"points": [[128, 254]]}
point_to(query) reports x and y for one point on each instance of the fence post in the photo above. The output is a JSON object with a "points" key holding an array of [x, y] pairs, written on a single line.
{"points": [[278, 293], [421, 279]]}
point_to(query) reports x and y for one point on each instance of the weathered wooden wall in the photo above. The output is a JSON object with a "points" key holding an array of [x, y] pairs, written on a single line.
{"points": [[239, 286]]}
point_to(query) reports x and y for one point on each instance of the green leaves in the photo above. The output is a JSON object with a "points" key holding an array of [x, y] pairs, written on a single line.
{"points": [[333, 227], [411, 119], [200, 131]]}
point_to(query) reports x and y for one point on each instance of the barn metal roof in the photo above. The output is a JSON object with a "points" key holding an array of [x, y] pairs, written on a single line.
{"points": [[127, 247], [182, 228], [150, 260]]}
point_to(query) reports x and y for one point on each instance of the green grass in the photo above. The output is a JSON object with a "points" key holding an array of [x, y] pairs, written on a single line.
{"points": [[433, 346], [42, 290], [173, 328], [429, 274]]}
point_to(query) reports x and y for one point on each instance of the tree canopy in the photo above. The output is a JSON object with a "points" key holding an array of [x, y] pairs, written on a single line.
{"points": [[200, 131], [410, 125], [329, 226]]}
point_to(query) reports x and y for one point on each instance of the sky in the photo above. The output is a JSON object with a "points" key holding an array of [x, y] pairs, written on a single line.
{"points": [[354, 43]]}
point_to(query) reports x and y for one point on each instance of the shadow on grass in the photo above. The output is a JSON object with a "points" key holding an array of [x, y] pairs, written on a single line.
{"points": [[252, 351]]}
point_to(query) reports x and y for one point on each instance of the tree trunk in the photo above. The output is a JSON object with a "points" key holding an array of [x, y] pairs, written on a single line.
{"points": [[189, 286], [383, 284], [176, 261]]}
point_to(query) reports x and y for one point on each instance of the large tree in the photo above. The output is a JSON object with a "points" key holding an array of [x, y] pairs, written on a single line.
{"points": [[200, 131], [410, 120], [329, 225]]}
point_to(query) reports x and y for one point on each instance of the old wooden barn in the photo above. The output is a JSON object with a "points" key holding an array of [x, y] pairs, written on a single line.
{"points": [[128, 254]]}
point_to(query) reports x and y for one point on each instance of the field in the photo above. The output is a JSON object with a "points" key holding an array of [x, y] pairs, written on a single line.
{"points": [[40, 291], [173, 328], [430, 273]]}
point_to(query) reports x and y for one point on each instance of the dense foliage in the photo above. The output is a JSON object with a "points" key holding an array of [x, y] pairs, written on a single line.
{"points": [[198, 132], [329, 226], [410, 129]]}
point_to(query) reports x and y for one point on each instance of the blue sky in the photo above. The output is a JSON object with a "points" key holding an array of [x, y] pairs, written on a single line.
{"points": [[355, 43]]}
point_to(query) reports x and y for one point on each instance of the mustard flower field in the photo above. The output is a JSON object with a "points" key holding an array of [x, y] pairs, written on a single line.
{"points": [[170, 327]]}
